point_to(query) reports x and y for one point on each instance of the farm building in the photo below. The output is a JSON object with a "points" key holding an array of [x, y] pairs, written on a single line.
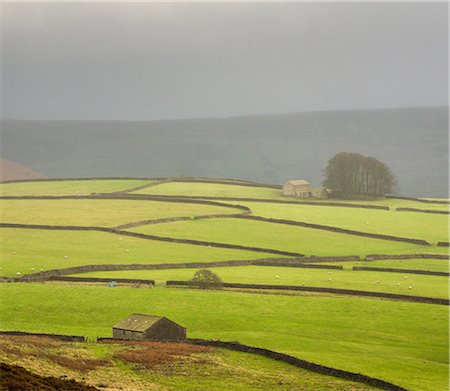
{"points": [[302, 189], [148, 327]]}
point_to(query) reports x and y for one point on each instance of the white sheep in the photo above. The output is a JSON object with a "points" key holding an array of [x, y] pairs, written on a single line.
{"points": [[127, 251], [32, 268], [277, 276], [410, 287], [18, 273], [398, 284], [42, 270], [14, 253], [65, 257], [405, 277], [120, 238]]}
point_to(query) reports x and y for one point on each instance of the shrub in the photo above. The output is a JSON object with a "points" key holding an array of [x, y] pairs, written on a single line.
{"points": [[205, 279]]}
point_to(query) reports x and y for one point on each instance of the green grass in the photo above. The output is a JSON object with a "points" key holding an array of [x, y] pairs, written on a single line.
{"points": [[210, 369], [356, 335], [99, 213], [421, 285], [212, 190], [224, 190], [70, 187], [281, 237], [46, 249], [430, 227], [434, 265]]}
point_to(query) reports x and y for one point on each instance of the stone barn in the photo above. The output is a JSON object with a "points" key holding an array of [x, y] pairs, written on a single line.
{"points": [[302, 189], [150, 328]]}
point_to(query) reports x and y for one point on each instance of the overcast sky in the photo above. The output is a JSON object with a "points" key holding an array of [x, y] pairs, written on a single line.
{"points": [[163, 61]]}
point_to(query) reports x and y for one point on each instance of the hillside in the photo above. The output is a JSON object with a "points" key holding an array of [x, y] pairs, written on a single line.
{"points": [[13, 171], [265, 148], [336, 288]]}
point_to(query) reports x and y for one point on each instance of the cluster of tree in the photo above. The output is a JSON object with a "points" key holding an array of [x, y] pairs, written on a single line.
{"points": [[351, 175], [206, 279]]}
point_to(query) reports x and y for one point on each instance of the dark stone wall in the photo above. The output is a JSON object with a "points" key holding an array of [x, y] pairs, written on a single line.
{"points": [[441, 212], [407, 271], [418, 299]]}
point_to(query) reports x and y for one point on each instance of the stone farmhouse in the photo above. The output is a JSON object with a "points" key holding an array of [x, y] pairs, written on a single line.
{"points": [[149, 328], [300, 188]]}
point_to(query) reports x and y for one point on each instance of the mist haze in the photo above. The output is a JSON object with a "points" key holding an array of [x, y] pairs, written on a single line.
{"points": [[206, 89]]}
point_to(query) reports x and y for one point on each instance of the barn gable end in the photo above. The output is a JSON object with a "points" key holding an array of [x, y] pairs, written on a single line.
{"points": [[148, 327]]}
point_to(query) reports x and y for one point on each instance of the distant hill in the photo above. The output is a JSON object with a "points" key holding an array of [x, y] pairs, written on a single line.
{"points": [[13, 171], [264, 148]]}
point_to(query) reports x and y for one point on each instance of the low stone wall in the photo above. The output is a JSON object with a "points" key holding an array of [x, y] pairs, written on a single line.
{"points": [[308, 365], [352, 292], [376, 257], [290, 262], [181, 218], [440, 212], [150, 237], [407, 271], [72, 338], [337, 229], [419, 200], [99, 279], [297, 264], [443, 244], [272, 201]]}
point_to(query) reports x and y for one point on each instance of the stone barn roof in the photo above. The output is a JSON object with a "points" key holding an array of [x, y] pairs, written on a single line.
{"points": [[298, 182], [138, 322]]}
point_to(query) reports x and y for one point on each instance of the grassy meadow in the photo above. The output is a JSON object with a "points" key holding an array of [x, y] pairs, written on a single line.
{"points": [[28, 250], [281, 237], [371, 281], [167, 365], [401, 342], [359, 335], [100, 213], [430, 227], [70, 187]]}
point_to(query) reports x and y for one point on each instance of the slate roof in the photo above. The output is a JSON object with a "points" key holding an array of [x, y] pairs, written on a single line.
{"points": [[298, 182], [138, 322]]}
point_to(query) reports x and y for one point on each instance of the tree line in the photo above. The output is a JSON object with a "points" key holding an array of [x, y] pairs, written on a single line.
{"points": [[351, 175]]}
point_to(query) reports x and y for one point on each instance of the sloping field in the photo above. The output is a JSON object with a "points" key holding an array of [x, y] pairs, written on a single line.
{"points": [[22, 250], [202, 189], [433, 265], [280, 237], [430, 227], [211, 190], [357, 335], [149, 366], [418, 285], [69, 187], [100, 212]]}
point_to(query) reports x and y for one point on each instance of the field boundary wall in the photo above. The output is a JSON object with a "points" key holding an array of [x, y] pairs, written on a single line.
{"points": [[420, 242], [419, 200], [70, 338], [352, 292], [376, 257], [150, 237], [432, 211], [308, 365], [289, 262], [394, 270], [101, 279]]}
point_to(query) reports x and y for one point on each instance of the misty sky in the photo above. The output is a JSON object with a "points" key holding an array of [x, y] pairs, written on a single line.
{"points": [[164, 61]]}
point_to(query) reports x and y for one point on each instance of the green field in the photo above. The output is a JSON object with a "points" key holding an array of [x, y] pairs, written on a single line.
{"points": [[401, 342], [197, 368], [434, 265], [430, 227], [200, 189], [357, 335], [100, 212], [281, 237], [421, 285], [74, 187], [22, 250]]}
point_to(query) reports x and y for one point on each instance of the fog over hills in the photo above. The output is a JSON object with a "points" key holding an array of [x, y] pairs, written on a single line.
{"points": [[265, 148]]}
